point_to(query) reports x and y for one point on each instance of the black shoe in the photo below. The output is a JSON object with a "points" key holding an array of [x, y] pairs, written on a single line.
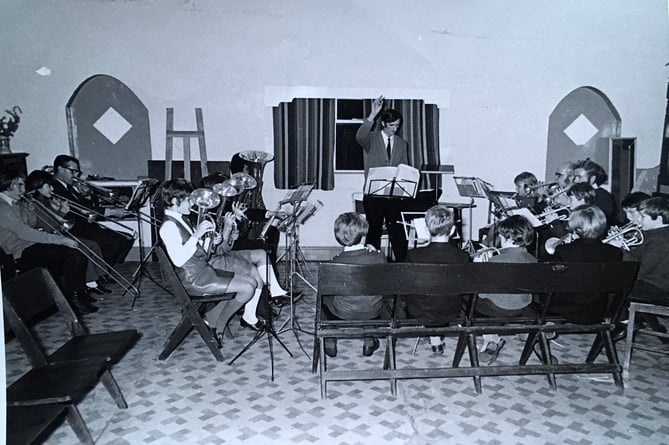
{"points": [[103, 289], [331, 348], [438, 349], [85, 295], [281, 300], [257, 326], [82, 304], [94, 290], [367, 351], [493, 352], [214, 333]]}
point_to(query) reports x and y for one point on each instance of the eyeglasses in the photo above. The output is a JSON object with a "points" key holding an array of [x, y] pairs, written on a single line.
{"points": [[74, 171]]}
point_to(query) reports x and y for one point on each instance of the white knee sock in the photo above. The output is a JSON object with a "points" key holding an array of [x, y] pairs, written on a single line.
{"points": [[250, 308], [274, 287]]}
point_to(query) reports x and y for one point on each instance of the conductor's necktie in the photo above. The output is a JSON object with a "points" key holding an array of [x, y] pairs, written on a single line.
{"points": [[388, 148]]}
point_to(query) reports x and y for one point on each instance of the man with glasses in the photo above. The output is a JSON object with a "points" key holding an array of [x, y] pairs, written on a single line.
{"points": [[33, 248], [115, 246]]}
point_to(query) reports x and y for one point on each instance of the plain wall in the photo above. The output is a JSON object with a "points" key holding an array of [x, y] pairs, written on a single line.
{"points": [[503, 65]]}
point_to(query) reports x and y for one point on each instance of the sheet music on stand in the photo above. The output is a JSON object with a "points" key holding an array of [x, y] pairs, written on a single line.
{"points": [[392, 182], [144, 190], [471, 187], [300, 194]]}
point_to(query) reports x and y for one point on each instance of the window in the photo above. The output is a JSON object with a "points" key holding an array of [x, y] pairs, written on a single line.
{"points": [[348, 153]]}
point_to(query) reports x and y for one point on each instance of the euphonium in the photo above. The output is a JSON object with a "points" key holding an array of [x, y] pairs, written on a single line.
{"points": [[224, 190], [629, 235]]}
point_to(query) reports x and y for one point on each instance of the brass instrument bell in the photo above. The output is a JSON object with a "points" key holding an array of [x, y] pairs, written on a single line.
{"points": [[246, 181], [228, 188], [204, 199], [256, 156]]}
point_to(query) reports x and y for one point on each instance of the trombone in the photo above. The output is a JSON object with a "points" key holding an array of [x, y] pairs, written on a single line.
{"points": [[90, 215], [58, 224]]}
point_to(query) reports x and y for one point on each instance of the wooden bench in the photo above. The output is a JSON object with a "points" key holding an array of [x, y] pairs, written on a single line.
{"points": [[544, 280], [66, 375]]}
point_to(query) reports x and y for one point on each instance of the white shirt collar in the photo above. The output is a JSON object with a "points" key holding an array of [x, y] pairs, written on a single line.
{"points": [[8, 199], [353, 248]]}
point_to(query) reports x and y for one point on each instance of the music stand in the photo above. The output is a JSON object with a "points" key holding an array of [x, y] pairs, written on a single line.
{"points": [[471, 187], [294, 256], [268, 330], [145, 191]]}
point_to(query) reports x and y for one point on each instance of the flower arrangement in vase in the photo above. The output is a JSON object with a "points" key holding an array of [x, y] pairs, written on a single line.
{"points": [[8, 126]]}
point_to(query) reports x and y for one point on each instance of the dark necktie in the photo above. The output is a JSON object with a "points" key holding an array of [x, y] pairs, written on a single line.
{"points": [[388, 147]]}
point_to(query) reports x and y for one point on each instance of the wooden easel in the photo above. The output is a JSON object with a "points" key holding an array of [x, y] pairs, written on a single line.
{"points": [[185, 137]]}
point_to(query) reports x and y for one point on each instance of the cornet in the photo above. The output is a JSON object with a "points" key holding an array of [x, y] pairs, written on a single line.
{"points": [[552, 214], [629, 235]]}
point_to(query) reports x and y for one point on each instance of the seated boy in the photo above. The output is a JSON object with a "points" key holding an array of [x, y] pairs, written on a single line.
{"points": [[652, 284], [436, 310], [515, 234], [350, 230], [589, 224]]}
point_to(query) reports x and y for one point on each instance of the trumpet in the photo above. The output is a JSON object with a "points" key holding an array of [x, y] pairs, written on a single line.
{"points": [[57, 224], [552, 214], [484, 254], [629, 235], [91, 215]]}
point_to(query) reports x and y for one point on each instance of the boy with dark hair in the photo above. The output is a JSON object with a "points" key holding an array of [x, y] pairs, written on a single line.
{"points": [[589, 172], [515, 234]]}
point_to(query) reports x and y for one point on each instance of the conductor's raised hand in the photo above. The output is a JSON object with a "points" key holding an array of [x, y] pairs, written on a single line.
{"points": [[377, 104]]}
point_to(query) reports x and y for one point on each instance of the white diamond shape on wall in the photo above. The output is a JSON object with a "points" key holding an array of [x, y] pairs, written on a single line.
{"points": [[581, 130], [112, 125]]}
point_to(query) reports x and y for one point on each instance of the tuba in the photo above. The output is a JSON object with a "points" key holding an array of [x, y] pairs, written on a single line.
{"points": [[253, 163]]}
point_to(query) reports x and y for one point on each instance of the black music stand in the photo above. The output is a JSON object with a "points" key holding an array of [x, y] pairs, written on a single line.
{"points": [[268, 330], [145, 192], [295, 260], [471, 187]]}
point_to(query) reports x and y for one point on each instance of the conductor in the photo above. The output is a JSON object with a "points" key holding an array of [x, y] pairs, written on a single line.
{"points": [[382, 147]]}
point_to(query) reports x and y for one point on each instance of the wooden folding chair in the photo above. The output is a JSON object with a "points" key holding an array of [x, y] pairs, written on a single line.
{"points": [[68, 374], [191, 310]]}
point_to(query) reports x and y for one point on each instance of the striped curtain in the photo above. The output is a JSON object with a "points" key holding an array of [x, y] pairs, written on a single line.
{"points": [[304, 132]]}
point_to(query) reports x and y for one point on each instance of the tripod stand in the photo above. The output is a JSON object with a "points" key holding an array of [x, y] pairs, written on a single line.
{"points": [[145, 191], [295, 269], [268, 329]]}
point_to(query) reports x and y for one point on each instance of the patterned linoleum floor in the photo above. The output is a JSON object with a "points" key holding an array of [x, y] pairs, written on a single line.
{"points": [[190, 398]]}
